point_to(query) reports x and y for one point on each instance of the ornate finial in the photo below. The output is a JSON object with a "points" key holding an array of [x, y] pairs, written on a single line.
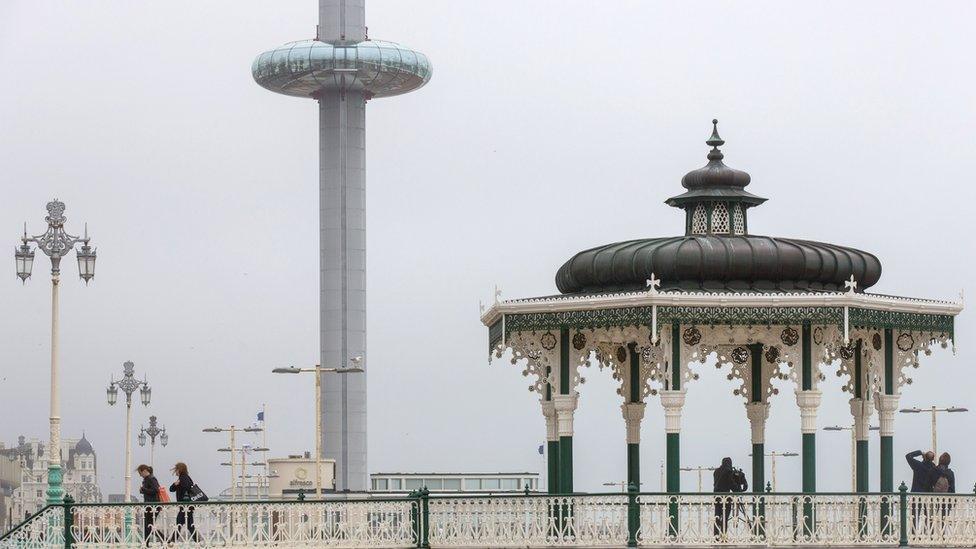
{"points": [[128, 367], [851, 285], [715, 141], [653, 284], [55, 212]]}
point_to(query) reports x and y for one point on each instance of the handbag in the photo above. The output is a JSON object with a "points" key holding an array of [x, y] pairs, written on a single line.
{"points": [[195, 494], [163, 495]]}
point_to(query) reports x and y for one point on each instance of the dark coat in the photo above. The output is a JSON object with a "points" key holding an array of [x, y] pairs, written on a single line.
{"points": [[725, 480], [923, 472], [941, 471], [149, 489], [182, 487]]}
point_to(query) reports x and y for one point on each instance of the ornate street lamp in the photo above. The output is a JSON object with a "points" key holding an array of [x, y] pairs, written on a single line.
{"points": [[55, 243], [232, 431], [153, 431], [128, 384]]}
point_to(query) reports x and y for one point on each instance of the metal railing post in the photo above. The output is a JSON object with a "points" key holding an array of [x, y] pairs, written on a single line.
{"points": [[424, 518], [69, 520], [903, 513], [633, 515]]}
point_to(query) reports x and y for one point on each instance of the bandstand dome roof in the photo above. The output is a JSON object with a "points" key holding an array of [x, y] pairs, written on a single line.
{"points": [[717, 252], [308, 67]]}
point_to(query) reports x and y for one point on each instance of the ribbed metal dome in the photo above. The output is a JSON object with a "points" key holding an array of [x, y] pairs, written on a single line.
{"points": [[718, 263], [716, 252]]}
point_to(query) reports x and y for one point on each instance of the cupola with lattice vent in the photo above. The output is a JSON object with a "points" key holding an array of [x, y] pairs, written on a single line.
{"points": [[716, 200]]}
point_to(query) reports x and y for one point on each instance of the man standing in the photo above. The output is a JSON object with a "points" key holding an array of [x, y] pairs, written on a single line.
{"points": [[726, 479], [924, 474]]}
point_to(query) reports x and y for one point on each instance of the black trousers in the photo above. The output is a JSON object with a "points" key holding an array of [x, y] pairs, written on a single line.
{"points": [[723, 508], [184, 518]]}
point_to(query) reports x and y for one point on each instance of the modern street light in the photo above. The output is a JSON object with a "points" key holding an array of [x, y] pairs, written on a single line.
{"points": [[700, 470], [853, 449], [128, 384], [318, 370], [232, 430], [933, 410], [153, 431], [55, 243], [775, 455]]}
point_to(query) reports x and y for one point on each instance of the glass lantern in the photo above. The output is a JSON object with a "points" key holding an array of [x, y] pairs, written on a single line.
{"points": [[142, 437], [144, 393], [164, 438], [25, 261], [113, 394], [86, 263]]}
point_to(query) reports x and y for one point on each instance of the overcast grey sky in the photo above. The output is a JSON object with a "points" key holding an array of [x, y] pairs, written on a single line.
{"points": [[548, 127]]}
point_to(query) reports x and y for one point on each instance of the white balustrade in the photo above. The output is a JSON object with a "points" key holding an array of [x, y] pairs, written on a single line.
{"points": [[942, 520], [43, 530]]}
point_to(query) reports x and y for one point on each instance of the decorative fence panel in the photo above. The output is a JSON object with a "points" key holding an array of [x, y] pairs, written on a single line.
{"points": [[943, 520]]}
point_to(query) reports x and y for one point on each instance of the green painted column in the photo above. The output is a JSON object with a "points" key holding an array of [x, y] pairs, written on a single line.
{"points": [[809, 403], [565, 464], [672, 411], [633, 411], [861, 421], [565, 407], [757, 411], [887, 404], [552, 465]]}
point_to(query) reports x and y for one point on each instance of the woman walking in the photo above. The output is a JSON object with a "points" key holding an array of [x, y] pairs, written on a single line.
{"points": [[150, 494], [183, 488]]}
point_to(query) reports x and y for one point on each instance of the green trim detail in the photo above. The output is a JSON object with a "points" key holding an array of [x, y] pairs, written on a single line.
{"points": [[858, 370], [566, 465], [564, 380], [635, 388], [862, 466], [756, 379], [809, 463], [552, 466], [55, 487], [718, 316], [758, 468], [806, 356], [889, 362], [676, 356], [633, 464]]}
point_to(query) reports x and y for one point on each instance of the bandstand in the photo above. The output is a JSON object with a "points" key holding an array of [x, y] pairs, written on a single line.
{"points": [[654, 310]]}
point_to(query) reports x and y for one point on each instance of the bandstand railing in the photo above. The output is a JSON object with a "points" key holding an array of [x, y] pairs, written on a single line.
{"points": [[517, 520]]}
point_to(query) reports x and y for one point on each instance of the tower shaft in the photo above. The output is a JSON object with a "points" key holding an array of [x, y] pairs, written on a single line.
{"points": [[342, 20], [342, 222]]}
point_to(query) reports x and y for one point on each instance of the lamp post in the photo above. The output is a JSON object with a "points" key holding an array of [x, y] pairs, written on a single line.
{"points": [[244, 463], [55, 243], [934, 410], [232, 431], [318, 370], [128, 384], [153, 431], [775, 455], [700, 470], [853, 449]]}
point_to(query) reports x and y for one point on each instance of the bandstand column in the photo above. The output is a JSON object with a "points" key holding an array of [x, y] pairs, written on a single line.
{"points": [[758, 413], [552, 446], [633, 411], [565, 406], [861, 411], [673, 400], [808, 400], [887, 405]]}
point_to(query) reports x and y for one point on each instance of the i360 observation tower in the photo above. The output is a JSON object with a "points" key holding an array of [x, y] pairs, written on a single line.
{"points": [[342, 69]]}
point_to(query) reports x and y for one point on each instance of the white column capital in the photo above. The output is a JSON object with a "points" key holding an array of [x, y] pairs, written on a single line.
{"points": [[758, 413], [552, 426], [673, 402], [565, 406], [887, 406], [861, 410], [633, 414], [808, 402]]}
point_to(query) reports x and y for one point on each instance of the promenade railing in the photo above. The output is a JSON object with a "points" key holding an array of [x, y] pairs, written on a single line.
{"points": [[515, 520]]}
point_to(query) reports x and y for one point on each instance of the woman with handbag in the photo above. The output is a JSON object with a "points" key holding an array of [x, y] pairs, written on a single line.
{"points": [[184, 489]]}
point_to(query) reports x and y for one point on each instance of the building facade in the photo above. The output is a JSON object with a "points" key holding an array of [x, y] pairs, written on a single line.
{"points": [[446, 483], [80, 468]]}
